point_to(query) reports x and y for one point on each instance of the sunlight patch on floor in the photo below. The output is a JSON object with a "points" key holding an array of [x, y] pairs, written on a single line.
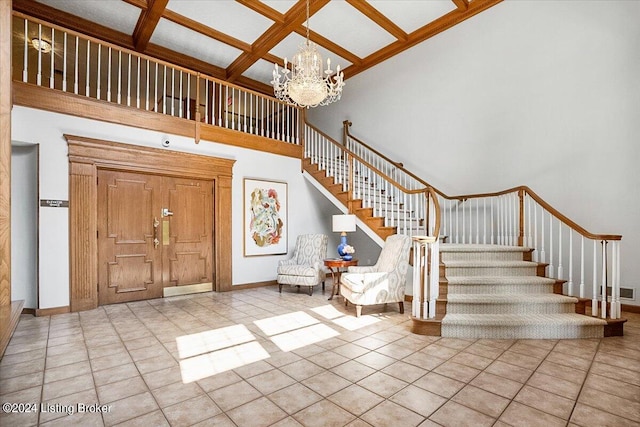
{"points": [[302, 337], [328, 311], [285, 323], [206, 365], [207, 341]]}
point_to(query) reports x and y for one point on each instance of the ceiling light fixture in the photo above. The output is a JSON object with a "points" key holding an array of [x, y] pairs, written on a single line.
{"points": [[304, 85], [41, 45]]}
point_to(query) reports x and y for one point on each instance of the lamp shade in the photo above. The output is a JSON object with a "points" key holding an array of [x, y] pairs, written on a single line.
{"points": [[344, 223]]}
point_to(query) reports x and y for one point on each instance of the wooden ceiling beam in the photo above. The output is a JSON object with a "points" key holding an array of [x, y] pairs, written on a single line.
{"points": [[329, 45], [206, 30], [421, 34], [147, 22], [263, 10], [274, 35], [142, 4], [462, 5], [377, 17]]}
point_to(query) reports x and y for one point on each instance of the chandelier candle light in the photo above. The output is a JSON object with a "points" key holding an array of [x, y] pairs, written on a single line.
{"points": [[343, 224], [304, 85]]}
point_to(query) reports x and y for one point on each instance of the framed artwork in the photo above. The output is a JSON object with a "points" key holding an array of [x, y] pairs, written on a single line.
{"points": [[265, 217]]}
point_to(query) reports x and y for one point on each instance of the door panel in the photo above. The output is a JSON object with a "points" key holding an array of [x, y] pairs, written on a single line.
{"points": [[130, 264], [141, 252], [187, 259]]}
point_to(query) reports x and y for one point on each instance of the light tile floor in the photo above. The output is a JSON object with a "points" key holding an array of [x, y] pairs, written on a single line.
{"points": [[260, 358]]}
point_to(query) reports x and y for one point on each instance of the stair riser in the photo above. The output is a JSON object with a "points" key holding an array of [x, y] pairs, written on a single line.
{"points": [[522, 332], [481, 256], [498, 290], [508, 308], [490, 271]]}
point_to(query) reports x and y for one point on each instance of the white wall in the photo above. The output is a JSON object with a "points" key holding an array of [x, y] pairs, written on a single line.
{"points": [[543, 94], [309, 211], [24, 224]]}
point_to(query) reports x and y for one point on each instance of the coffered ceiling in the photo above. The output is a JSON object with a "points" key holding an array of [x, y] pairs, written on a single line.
{"points": [[239, 41]]}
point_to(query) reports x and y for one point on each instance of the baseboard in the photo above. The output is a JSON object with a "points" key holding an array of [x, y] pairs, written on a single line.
{"points": [[9, 317], [52, 311], [630, 308], [253, 285], [172, 291], [31, 311]]}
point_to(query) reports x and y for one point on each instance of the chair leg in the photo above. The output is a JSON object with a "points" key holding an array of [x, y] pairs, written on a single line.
{"points": [[401, 304], [346, 302], [298, 286], [310, 290], [358, 310], [322, 286], [279, 287]]}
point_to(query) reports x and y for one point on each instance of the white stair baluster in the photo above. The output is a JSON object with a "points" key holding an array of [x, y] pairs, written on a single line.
{"points": [[570, 282], [550, 267], [560, 267], [603, 301], [582, 263], [594, 299]]}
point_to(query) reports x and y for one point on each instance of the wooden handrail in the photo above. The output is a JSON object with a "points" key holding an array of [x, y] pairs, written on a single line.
{"points": [[568, 222], [369, 165]]}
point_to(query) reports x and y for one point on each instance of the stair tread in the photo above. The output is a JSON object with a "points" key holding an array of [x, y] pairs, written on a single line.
{"points": [[522, 319], [511, 298], [488, 264], [499, 280], [473, 247]]}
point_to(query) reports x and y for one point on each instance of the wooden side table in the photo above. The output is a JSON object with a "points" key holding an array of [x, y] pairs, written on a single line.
{"points": [[335, 264]]}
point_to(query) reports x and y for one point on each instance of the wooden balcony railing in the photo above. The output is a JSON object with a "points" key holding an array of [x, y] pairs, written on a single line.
{"points": [[84, 66]]}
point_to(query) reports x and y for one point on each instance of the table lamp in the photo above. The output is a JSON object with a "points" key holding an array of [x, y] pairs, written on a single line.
{"points": [[343, 224]]}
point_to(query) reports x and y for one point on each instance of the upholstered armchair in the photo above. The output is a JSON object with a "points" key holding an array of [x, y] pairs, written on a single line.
{"points": [[306, 267], [381, 283]]}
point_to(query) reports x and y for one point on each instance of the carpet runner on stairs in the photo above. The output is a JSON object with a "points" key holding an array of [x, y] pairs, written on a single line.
{"points": [[493, 292]]}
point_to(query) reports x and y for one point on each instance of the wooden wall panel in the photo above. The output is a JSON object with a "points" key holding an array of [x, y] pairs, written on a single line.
{"points": [[83, 273], [5, 153], [223, 238]]}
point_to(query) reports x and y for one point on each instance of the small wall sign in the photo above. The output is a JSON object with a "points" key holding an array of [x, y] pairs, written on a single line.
{"points": [[47, 203]]}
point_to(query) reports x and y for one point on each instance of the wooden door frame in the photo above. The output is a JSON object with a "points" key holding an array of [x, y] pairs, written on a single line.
{"points": [[86, 156]]}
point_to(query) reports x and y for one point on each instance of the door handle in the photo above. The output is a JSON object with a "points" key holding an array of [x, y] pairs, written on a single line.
{"points": [[166, 212], [156, 242]]}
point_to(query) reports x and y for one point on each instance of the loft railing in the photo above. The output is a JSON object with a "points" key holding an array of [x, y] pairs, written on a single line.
{"points": [[406, 204], [588, 263], [88, 67]]}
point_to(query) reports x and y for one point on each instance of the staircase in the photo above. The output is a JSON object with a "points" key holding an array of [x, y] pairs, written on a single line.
{"points": [[495, 292], [492, 280]]}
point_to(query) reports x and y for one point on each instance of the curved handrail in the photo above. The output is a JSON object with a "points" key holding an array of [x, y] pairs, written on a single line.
{"points": [[568, 222], [428, 191]]}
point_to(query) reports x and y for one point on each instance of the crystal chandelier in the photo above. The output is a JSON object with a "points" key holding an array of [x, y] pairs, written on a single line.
{"points": [[304, 85]]}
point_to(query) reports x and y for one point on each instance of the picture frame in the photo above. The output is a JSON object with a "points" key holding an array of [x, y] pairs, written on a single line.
{"points": [[265, 217]]}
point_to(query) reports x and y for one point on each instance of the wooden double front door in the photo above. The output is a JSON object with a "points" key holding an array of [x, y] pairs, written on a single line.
{"points": [[154, 232]]}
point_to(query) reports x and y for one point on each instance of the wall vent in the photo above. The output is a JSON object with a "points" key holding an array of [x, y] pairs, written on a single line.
{"points": [[626, 293]]}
